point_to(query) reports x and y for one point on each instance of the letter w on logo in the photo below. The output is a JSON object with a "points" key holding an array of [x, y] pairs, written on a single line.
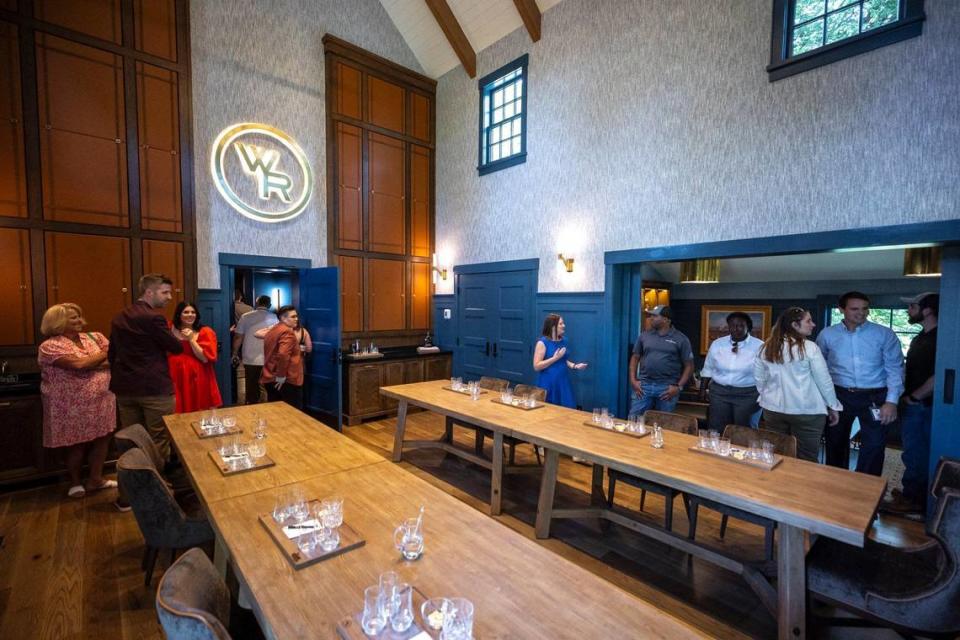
{"points": [[260, 163]]}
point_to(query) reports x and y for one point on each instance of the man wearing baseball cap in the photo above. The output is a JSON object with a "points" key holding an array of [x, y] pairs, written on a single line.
{"points": [[916, 405], [665, 361]]}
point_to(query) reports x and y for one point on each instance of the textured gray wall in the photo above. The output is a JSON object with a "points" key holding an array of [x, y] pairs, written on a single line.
{"points": [[262, 61], [652, 123]]}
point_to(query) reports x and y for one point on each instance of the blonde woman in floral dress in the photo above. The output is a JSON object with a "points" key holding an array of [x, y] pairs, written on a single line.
{"points": [[79, 411]]}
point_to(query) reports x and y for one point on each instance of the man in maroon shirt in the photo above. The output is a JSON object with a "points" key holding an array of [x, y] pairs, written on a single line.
{"points": [[140, 339]]}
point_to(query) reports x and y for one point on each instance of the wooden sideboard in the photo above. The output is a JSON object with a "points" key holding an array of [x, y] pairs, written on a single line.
{"points": [[363, 379]]}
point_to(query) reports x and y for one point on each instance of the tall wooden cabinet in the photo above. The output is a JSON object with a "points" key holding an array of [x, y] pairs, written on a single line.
{"points": [[381, 192]]}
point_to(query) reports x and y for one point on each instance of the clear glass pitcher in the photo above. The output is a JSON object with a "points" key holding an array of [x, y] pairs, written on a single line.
{"points": [[408, 539]]}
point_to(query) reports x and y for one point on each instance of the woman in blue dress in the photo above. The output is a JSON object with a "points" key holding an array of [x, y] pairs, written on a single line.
{"points": [[550, 360]]}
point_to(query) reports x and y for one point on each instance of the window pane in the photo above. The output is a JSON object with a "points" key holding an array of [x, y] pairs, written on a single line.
{"points": [[833, 5], [517, 126], [516, 145], [495, 134], [843, 24], [508, 110], [508, 93], [877, 13], [497, 98], [807, 37], [497, 115], [494, 153], [519, 86], [806, 9], [504, 149]]}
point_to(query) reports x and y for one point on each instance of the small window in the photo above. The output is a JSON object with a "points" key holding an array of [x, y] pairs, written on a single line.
{"points": [[811, 33], [503, 117], [896, 319]]}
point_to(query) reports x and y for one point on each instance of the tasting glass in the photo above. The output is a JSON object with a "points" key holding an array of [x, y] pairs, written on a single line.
{"points": [[260, 431], [389, 583], [433, 611], [458, 623], [475, 391], [257, 449], [723, 448], [704, 436], [754, 452], [506, 396], [768, 451], [374, 617], [596, 416], [529, 401], [656, 438], [332, 509], [714, 440], [281, 506], [402, 617], [229, 422]]}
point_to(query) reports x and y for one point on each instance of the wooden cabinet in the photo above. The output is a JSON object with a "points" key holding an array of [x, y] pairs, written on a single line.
{"points": [[21, 444], [158, 117], [98, 18], [13, 184], [362, 382], [164, 257], [16, 321], [155, 27]]}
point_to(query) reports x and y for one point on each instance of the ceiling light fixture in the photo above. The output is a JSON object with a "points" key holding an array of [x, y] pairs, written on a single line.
{"points": [[921, 263], [700, 271]]}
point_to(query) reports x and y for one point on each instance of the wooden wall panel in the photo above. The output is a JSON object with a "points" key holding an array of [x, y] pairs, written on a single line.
{"points": [[349, 187], [16, 321], [348, 100], [13, 184], [385, 104], [420, 193], [158, 116], [92, 271], [160, 256], [420, 117], [98, 18], [351, 293], [155, 27], [83, 154], [386, 285], [420, 299], [387, 230], [9, 5]]}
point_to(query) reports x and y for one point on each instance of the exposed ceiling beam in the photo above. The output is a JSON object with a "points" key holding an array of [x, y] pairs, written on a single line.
{"points": [[530, 13], [455, 35]]}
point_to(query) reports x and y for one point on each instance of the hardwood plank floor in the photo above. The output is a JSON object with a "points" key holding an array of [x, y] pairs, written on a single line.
{"points": [[71, 568]]}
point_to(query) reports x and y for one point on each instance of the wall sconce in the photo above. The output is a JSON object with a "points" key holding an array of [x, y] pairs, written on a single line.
{"points": [[567, 262], [923, 262], [437, 270], [700, 270]]}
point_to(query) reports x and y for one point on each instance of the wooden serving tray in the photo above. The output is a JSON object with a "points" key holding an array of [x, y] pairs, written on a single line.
{"points": [[632, 434], [232, 431], [539, 405], [349, 540], [351, 629], [757, 464], [463, 392], [225, 469]]}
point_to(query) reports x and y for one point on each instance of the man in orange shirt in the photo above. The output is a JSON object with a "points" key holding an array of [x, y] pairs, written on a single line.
{"points": [[282, 373]]}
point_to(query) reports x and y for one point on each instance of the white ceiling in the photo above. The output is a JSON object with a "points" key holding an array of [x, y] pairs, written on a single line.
{"points": [[847, 265], [483, 21]]}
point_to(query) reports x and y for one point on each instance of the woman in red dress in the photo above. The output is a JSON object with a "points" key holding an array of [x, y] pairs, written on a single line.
{"points": [[194, 379]]}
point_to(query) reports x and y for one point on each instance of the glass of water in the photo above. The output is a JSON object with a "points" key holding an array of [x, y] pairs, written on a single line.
{"points": [[458, 623], [596, 416], [374, 617], [401, 616], [768, 455]]}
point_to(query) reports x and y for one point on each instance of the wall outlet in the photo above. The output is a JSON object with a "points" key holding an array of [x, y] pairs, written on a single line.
{"points": [[446, 314]]}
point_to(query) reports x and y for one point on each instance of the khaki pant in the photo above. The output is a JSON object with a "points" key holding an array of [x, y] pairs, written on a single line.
{"points": [[149, 411], [806, 428]]}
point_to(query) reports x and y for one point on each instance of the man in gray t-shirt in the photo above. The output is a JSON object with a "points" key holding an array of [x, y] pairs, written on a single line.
{"points": [[665, 362], [251, 348]]}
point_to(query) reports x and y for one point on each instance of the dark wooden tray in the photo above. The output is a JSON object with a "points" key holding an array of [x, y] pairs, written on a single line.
{"points": [[462, 392], [225, 469], [351, 629], [756, 464], [232, 431], [539, 405], [349, 540], [632, 434]]}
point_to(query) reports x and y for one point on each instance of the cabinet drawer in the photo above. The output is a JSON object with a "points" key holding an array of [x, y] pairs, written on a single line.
{"points": [[21, 443]]}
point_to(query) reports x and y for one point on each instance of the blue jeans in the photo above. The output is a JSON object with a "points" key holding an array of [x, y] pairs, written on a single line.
{"points": [[651, 399], [915, 421]]}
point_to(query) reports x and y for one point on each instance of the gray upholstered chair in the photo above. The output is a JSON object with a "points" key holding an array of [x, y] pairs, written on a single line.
{"points": [[135, 436], [783, 444], [915, 590], [668, 422], [162, 522], [193, 603]]}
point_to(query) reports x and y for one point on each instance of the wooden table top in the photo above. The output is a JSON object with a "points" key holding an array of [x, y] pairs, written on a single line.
{"points": [[519, 589], [824, 500], [300, 446]]}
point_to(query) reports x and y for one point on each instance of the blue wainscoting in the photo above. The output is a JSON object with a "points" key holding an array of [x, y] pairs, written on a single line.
{"points": [[582, 313], [445, 329]]}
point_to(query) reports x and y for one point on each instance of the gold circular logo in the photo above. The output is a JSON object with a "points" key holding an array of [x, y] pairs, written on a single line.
{"points": [[261, 172]]}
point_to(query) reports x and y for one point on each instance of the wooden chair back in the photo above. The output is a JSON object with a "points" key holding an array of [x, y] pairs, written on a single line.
{"points": [[671, 421], [741, 436], [493, 384], [538, 393]]}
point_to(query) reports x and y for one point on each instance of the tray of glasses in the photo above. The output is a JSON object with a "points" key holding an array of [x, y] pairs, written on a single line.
{"points": [[214, 431], [741, 456], [620, 427], [464, 391], [352, 629], [232, 464], [520, 404], [287, 538]]}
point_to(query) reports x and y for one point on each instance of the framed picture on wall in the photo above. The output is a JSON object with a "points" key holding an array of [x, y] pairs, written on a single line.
{"points": [[713, 322]]}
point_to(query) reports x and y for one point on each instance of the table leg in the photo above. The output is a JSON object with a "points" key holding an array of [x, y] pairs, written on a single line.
{"points": [[548, 487], [791, 584], [401, 426], [597, 497], [220, 555], [496, 474]]}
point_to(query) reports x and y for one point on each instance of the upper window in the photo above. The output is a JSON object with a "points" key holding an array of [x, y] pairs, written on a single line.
{"points": [[896, 319], [812, 33], [503, 117]]}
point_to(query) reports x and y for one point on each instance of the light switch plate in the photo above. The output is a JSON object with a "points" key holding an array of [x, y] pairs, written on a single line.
{"points": [[446, 314]]}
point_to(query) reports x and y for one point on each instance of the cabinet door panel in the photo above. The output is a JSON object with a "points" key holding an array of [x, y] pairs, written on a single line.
{"points": [[347, 87], [351, 293], [437, 368], [386, 200], [420, 300], [412, 371], [420, 201], [16, 321], [164, 257], [349, 187], [98, 18], [20, 436], [155, 27], [158, 115], [420, 116], [392, 374], [386, 286], [91, 271], [13, 186], [364, 389], [385, 104]]}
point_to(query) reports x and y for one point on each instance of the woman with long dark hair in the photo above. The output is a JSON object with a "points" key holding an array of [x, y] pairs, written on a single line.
{"points": [[194, 379], [550, 361], [796, 391]]}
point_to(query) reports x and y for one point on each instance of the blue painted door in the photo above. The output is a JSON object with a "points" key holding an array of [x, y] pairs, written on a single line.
{"points": [[945, 436], [320, 312], [475, 303]]}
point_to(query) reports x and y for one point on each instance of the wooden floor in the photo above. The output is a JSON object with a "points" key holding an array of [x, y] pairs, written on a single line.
{"points": [[71, 568]]}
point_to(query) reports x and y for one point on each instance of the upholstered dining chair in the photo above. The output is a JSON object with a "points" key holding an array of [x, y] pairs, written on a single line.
{"points": [[670, 422], [193, 603], [162, 522], [915, 589], [783, 444], [135, 436]]}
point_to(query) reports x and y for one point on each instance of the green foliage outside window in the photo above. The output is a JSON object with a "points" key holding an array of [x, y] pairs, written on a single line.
{"points": [[896, 319], [817, 23]]}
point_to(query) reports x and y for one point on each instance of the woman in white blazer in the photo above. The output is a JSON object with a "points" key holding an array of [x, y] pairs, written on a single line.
{"points": [[796, 391]]}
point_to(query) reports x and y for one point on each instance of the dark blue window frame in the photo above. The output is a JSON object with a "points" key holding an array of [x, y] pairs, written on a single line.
{"points": [[909, 24], [489, 85]]}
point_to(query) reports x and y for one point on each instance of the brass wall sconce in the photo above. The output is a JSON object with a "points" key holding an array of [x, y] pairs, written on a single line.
{"points": [[922, 262], [438, 270], [567, 262], [707, 270]]}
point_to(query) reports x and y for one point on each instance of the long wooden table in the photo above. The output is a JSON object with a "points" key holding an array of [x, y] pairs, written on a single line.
{"points": [[519, 589], [798, 495]]}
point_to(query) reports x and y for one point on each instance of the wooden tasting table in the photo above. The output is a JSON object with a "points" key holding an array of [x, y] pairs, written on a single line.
{"points": [[799, 496]]}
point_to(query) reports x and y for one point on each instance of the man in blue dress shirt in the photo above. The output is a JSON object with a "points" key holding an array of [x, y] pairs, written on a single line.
{"points": [[866, 363]]}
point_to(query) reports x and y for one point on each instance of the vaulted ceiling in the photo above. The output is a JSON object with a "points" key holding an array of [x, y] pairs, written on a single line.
{"points": [[480, 22]]}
